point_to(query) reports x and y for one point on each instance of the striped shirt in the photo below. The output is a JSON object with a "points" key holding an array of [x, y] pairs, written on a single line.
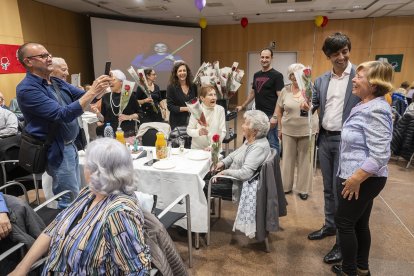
{"points": [[105, 240]]}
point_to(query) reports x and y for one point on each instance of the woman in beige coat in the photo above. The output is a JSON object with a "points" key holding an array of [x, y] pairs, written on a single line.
{"points": [[294, 132]]}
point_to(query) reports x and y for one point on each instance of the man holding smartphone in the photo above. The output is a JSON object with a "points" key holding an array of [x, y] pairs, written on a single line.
{"points": [[51, 104]]}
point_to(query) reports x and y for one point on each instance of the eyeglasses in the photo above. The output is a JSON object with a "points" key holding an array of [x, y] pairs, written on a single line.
{"points": [[42, 56]]}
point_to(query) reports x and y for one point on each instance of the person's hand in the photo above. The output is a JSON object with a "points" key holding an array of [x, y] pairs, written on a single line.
{"points": [[95, 109], [203, 131], [219, 167], [273, 122], [304, 106], [351, 188], [148, 100], [239, 108], [5, 225], [184, 109], [99, 86], [124, 117]]}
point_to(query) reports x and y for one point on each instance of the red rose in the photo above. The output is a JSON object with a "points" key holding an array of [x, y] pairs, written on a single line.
{"points": [[140, 75], [216, 138], [307, 72], [127, 87], [193, 101]]}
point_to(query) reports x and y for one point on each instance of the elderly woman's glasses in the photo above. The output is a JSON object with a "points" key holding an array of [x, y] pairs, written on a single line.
{"points": [[42, 56]]}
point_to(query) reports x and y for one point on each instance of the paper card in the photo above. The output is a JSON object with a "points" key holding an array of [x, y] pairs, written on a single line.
{"points": [[75, 79], [299, 79]]}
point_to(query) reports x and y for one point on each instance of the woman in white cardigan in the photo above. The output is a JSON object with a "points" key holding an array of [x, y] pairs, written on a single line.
{"points": [[215, 118]]}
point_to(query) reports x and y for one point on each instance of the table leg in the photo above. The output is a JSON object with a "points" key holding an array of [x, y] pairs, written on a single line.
{"points": [[197, 240]]}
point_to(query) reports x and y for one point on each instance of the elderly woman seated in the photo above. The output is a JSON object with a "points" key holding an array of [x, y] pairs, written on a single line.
{"points": [[102, 231], [243, 162]]}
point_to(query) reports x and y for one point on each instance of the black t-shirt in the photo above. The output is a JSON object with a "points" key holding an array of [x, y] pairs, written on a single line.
{"points": [[265, 85]]}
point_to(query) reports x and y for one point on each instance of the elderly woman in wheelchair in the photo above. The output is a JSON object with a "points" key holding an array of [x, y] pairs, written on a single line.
{"points": [[244, 162]]}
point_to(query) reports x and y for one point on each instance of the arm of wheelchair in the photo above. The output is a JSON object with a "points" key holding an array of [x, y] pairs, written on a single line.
{"points": [[13, 182], [178, 200], [11, 251], [52, 199]]}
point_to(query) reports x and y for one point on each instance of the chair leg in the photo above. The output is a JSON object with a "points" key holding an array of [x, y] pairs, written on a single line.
{"points": [[219, 208], [409, 162], [190, 238], [197, 241], [36, 189], [266, 241]]}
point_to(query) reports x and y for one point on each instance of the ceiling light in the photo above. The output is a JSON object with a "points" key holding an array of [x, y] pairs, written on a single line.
{"points": [[231, 13], [356, 7], [290, 10], [177, 16]]}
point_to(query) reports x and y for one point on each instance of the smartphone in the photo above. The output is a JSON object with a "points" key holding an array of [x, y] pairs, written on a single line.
{"points": [[107, 68], [151, 162]]}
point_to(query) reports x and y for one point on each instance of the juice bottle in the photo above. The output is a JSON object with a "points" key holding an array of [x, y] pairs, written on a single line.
{"points": [[161, 146], [119, 135]]}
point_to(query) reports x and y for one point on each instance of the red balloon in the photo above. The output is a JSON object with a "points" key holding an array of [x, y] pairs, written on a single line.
{"points": [[325, 21], [244, 22]]}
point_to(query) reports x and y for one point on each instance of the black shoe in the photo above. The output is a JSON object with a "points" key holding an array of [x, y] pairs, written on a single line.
{"points": [[303, 196], [337, 269], [334, 256], [325, 231]]}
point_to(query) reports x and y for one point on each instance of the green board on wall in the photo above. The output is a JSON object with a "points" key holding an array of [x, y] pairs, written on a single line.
{"points": [[394, 60]]}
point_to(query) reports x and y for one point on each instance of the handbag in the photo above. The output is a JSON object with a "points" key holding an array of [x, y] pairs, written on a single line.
{"points": [[33, 152]]}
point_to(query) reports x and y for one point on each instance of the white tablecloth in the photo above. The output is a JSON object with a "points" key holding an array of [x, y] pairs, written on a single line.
{"points": [[185, 178]]}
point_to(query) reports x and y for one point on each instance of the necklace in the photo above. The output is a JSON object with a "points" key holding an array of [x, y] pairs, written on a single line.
{"points": [[112, 104]]}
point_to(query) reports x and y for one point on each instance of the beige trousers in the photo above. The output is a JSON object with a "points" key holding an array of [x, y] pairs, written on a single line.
{"points": [[296, 152]]}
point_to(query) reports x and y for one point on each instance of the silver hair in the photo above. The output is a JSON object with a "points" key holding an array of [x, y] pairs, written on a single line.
{"points": [[294, 68], [258, 122], [110, 166], [118, 74], [58, 61]]}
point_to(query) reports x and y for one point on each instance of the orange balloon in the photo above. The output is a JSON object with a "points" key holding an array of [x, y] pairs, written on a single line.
{"points": [[203, 22], [318, 20]]}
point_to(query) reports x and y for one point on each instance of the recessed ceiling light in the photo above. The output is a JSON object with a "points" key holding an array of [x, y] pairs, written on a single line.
{"points": [[231, 13], [178, 16], [356, 7], [290, 10]]}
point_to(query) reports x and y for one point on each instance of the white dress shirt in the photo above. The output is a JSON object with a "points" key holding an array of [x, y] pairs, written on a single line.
{"points": [[335, 97]]}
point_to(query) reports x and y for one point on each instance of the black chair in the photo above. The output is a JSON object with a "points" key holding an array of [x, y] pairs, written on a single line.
{"points": [[10, 169]]}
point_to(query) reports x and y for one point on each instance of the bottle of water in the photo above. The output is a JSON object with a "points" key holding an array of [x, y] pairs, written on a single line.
{"points": [[108, 131]]}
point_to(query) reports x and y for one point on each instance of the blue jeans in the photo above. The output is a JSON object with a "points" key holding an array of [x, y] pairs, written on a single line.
{"points": [[66, 175], [273, 139]]}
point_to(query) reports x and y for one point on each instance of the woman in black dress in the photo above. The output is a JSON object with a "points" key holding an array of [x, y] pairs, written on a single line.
{"points": [[146, 103], [110, 108], [180, 90]]}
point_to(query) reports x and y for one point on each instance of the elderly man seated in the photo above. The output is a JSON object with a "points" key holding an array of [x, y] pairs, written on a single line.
{"points": [[8, 123]]}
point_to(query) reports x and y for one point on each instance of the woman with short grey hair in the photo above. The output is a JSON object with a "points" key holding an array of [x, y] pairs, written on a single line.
{"points": [[243, 162], [102, 230]]}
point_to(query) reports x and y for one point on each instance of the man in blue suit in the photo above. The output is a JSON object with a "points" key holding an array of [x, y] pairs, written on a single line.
{"points": [[334, 99]]}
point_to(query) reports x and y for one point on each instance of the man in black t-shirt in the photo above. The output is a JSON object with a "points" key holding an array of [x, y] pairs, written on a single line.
{"points": [[267, 84]]}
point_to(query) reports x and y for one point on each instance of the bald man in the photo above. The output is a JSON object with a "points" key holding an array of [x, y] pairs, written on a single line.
{"points": [[50, 104]]}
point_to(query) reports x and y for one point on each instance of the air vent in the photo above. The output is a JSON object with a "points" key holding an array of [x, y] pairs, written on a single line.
{"points": [[156, 8], [214, 4], [286, 1]]}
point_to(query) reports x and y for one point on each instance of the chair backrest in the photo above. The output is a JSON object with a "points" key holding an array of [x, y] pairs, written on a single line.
{"points": [[149, 138], [177, 133]]}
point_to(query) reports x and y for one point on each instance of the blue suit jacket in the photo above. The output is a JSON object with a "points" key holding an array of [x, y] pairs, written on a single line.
{"points": [[320, 94]]}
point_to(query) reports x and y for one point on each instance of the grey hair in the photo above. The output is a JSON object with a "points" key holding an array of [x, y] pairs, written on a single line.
{"points": [[110, 165], [58, 61], [258, 122], [118, 74], [294, 68]]}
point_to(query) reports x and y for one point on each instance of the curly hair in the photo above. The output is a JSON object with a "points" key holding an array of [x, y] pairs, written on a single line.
{"points": [[174, 78]]}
